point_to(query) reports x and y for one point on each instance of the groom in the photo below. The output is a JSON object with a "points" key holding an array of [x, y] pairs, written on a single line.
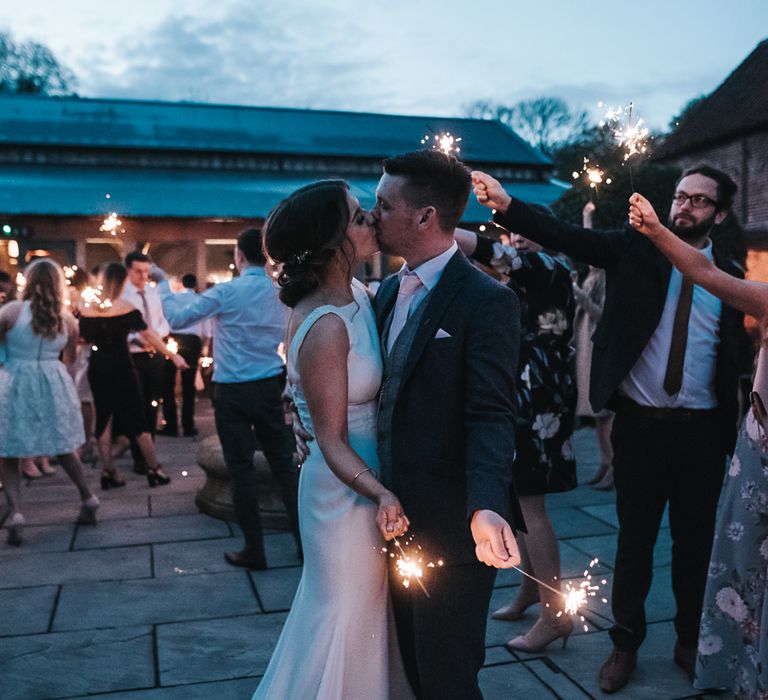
{"points": [[450, 339]]}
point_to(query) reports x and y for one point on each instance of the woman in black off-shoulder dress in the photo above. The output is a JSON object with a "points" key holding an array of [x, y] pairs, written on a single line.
{"points": [[105, 325]]}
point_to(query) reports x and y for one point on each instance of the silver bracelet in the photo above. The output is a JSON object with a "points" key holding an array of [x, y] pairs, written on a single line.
{"points": [[361, 472]]}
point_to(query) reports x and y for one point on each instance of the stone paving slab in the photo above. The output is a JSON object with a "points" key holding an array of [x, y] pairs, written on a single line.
{"points": [[174, 528], [276, 587], [45, 538], [207, 556], [512, 681], [240, 689], [190, 558], [47, 513], [656, 676], [26, 610], [582, 496], [173, 504], [604, 548], [574, 522], [217, 649], [74, 663], [156, 600], [42, 568], [607, 513]]}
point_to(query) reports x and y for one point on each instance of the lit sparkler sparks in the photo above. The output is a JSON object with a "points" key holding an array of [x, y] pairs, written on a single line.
{"points": [[593, 174], [444, 142], [632, 137], [93, 296], [111, 224], [410, 567], [206, 362], [172, 345], [575, 597]]}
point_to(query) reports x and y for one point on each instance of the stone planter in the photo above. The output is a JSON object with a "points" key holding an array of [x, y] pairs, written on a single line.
{"points": [[215, 496]]}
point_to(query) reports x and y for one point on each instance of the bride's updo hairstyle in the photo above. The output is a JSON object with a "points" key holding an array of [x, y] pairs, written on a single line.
{"points": [[303, 233]]}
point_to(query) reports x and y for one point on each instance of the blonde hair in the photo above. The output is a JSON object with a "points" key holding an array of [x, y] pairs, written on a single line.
{"points": [[44, 289]]}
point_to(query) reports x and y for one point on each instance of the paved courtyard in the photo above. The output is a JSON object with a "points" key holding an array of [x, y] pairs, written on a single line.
{"points": [[144, 606]]}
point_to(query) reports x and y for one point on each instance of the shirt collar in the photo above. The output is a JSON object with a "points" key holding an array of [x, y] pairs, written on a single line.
{"points": [[429, 272], [252, 270], [707, 250]]}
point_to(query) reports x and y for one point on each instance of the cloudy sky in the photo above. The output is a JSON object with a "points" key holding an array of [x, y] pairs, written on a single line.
{"points": [[399, 56]]}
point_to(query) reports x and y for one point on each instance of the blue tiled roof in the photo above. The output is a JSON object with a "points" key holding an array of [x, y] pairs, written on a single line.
{"points": [[81, 191], [132, 124]]}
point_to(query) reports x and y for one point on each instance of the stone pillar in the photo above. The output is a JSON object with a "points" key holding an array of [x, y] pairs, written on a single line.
{"points": [[215, 496], [201, 263]]}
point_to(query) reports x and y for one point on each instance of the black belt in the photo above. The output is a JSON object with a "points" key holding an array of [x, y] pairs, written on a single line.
{"points": [[622, 404]]}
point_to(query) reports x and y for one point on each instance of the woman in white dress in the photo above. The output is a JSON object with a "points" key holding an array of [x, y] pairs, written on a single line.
{"points": [[339, 639], [39, 406]]}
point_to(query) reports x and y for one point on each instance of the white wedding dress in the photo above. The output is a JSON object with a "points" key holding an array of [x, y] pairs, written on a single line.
{"points": [[339, 641]]}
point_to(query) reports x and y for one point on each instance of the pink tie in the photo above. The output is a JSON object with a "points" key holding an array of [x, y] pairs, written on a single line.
{"points": [[408, 286]]}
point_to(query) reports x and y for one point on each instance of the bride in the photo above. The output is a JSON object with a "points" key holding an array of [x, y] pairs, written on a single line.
{"points": [[339, 639]]}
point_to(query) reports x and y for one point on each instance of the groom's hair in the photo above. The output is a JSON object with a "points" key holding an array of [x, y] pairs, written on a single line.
{"points": [[433, 179]]}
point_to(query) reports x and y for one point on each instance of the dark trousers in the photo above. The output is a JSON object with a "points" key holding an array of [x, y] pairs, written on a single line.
{"points": [[442, 637], [150, 368], [656, 462], [247, 412], [189, 348]]}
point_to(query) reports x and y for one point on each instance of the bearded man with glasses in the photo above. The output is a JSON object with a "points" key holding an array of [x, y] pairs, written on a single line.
{"points": [[667, 359]]}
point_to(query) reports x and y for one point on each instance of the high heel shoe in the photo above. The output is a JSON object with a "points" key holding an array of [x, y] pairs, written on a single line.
{"points": [[155, 477], [513, 611], [88, 508], [541, 635], [15, 527], [110, 481]]}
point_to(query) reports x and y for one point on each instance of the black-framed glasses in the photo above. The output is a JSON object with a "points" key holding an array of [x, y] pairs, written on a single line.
{"points": [[698, 201]]}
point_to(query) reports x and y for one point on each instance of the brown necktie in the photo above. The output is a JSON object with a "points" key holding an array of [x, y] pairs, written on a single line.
{"points": [[673, 379], [147, 314]]}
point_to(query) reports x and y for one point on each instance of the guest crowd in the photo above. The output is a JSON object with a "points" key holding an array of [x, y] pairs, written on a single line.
{"points": [[636, 333]]}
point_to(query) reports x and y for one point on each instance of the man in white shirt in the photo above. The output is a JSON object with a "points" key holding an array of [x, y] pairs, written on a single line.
{"points": [[150, 366], [190, 340]]}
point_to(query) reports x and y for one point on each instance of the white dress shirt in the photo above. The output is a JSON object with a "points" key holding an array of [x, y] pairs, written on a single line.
{"points": [[156, 322], [429, 274], [645, 382], [249, 324]]}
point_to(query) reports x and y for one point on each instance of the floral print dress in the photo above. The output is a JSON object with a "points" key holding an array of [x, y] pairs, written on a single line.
{"points": [[733, 641], [546, 385]]}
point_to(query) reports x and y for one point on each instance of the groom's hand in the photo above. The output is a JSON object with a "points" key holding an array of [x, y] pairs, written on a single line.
{"points": [[495, 543], [489, 191], [302, 435]]}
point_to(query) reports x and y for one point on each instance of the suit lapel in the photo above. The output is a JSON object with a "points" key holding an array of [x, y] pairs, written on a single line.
{"points": [[441, 296]]}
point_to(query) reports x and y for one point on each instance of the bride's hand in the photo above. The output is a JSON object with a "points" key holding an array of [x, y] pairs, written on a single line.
{"points": [[390, 518]]}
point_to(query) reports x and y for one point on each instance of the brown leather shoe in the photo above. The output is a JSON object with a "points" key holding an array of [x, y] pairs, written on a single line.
{"points": [[246, 560], [685, 658], [615, 672]]}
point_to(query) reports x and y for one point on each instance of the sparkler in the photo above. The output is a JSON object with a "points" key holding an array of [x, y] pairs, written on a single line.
{"points": [[410, 568], [172, 345], [111, 224], [575, 598], [444, 142], [206, 362], [632, 137], [92, 296], [593, 174]]}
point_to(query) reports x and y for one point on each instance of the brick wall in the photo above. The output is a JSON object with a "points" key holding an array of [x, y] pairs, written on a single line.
{"points": [[746, 161]]}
